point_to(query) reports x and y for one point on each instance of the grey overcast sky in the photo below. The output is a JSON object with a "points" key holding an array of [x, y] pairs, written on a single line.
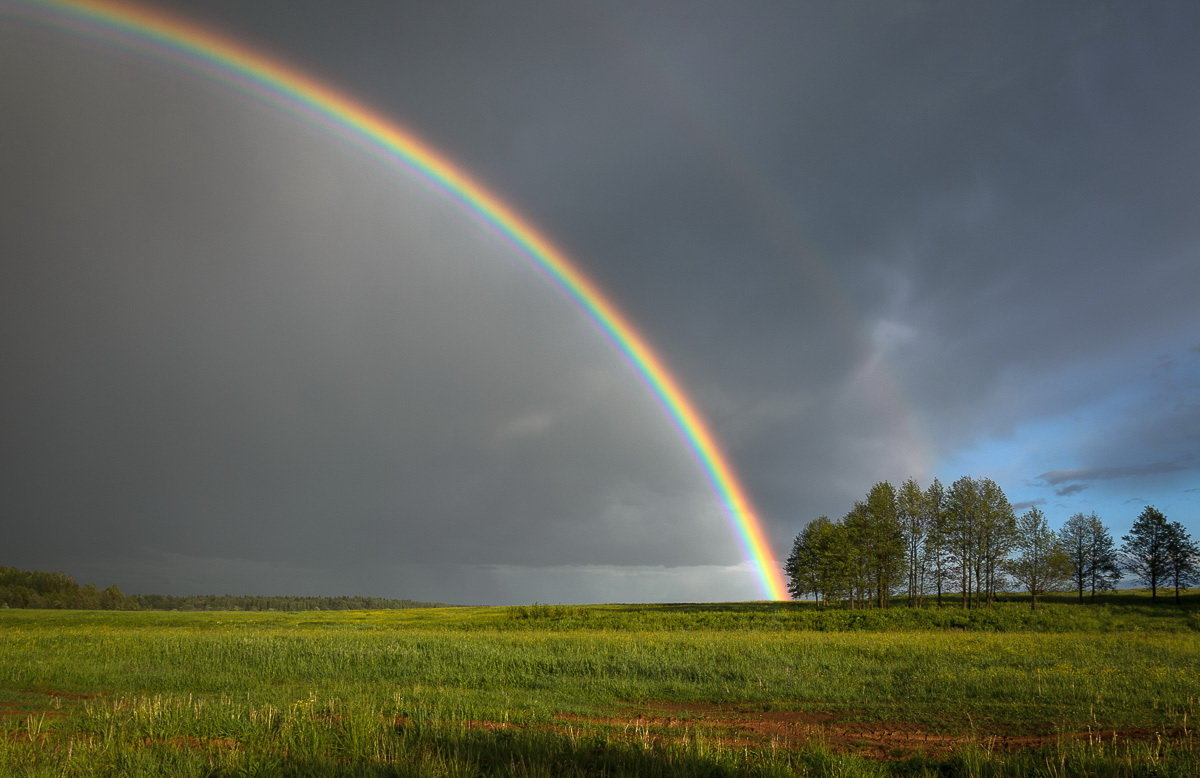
{"points": [[242, 353]]}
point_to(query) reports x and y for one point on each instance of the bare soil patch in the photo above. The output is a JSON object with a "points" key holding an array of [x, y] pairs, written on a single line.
{"points": [[740, 726], [43, 702], [63, 695], [23, 712]]}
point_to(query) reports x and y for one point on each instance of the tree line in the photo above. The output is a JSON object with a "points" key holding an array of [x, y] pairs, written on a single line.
{"points": [[967, 543], [39, 589]]}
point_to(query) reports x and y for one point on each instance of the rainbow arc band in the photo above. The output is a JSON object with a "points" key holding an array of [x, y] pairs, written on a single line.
{"points": [[247, 69]]}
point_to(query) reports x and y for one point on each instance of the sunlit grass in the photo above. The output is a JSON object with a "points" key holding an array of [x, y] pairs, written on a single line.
{"points": [[523, 691]]}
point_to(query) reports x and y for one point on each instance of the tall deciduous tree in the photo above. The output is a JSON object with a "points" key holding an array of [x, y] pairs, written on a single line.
{"points": [[819, 562], [937, 553], [961, 530], [996, 535], [1183, 558], [978, 533], [1093, 555], [800, 563], [883, 541], [1042, 564], [858, 528], [1144, 549], [915, 522]]}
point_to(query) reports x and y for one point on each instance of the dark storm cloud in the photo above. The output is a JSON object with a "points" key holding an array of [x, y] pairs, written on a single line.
{"points": [[1066, 491], [1076, 475], [864, 235], [231, 339], [765, 187]]}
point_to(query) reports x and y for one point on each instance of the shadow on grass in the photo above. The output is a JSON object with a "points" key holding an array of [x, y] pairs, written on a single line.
{"points": [[523, 753], [544, 754]]}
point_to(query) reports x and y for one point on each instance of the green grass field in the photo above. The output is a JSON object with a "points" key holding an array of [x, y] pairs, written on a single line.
{"points": [[738, 689]]}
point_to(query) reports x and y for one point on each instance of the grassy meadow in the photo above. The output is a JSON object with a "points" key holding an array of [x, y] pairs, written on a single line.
{"points": [[734, 689]]}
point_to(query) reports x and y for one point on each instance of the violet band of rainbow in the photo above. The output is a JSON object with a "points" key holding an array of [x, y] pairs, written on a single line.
{"points": [[245, 68]]}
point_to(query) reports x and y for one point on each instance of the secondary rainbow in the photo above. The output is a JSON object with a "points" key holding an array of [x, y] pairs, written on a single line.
{"points": [[247, 69]]}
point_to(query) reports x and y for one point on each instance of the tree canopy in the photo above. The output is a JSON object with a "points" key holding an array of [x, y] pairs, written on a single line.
{"points": [[967, 539]]}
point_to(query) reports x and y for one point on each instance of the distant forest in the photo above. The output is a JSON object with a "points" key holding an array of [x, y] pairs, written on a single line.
{"points": [[37, 589]]}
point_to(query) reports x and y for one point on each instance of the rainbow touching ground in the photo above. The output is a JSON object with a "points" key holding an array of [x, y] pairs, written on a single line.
{"points": [[248, 70]]}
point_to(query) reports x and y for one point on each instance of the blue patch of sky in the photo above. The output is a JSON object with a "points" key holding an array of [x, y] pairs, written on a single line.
{"points": [[1137, 422]]}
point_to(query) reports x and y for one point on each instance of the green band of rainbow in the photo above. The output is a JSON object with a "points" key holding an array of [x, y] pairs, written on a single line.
{"points": [[246, 68]]}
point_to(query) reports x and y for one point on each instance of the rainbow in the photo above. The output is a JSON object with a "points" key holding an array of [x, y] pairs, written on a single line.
{"points": [[246, 69]]}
